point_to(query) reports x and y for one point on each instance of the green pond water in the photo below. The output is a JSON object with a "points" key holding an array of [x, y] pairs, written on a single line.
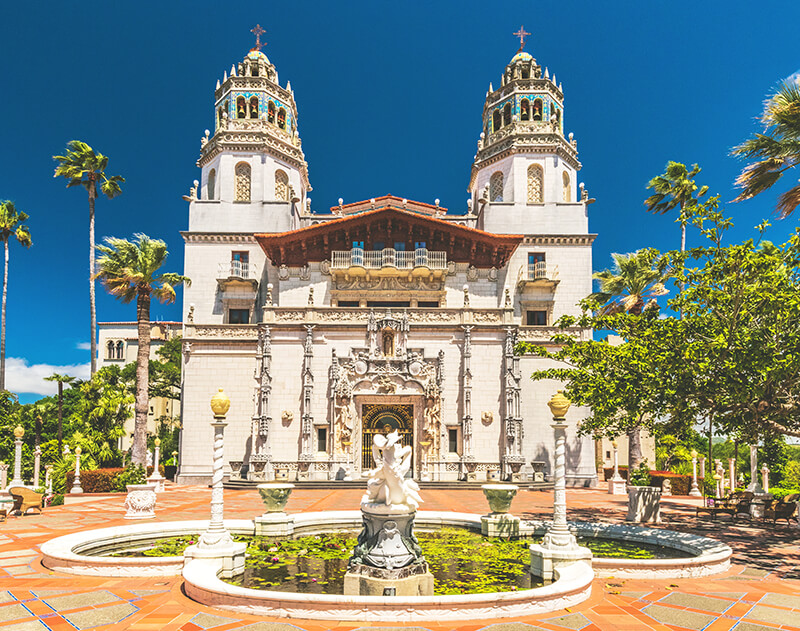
{"points": [[461, 561]]}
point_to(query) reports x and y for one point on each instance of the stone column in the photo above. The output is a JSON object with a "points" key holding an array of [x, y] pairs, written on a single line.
{"points": [[261, 454], [3, 476], [76, 482], [156, 478], [616, 485], [702, 467], [466, 389], [37, 462], [307, 418], [754, 486], [48, 478], [695, 490], [18, 434], [512, 458], [216, 542], [765, 478], [732, 473], [559, 547]]}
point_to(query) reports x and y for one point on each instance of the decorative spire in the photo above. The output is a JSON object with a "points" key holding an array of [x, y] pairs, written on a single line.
{"points": [[258, 32], [521, 33]]}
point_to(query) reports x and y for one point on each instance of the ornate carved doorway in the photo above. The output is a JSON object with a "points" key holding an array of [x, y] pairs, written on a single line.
{"points": [[376, 419]]}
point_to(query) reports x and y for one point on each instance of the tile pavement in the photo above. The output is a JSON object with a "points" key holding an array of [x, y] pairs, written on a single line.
{"points": [[761, 592]]}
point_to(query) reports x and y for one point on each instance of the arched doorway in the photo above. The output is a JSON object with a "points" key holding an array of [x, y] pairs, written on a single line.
{"points": [[379, 418]]}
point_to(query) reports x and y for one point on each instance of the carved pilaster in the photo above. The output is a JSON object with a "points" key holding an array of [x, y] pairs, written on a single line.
{"points": [[512, 457], [466, 389], [261, 451], [307, 419]]}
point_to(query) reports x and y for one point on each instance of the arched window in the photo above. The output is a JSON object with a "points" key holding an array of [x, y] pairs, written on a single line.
{"points": [[241, 191], [220, 110], [120, 350], [253, 107], [558, 119], [110, 350], [241, 107], [271, 112], [495, 120], [535, 184], [212, 184], [526, 74], [567, 189], [507, 114], [496, 187], [282, 118], [254, 70], [281, 186], [538, 109], [525, 110]]}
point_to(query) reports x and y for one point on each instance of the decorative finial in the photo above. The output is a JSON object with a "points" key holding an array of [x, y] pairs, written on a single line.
{"points": [[521, 33], [258, 32]]}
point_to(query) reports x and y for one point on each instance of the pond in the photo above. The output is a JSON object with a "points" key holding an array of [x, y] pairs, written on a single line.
{"points": [[460, 560]]}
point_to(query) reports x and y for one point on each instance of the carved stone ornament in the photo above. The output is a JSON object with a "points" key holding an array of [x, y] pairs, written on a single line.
{"points": [[472, 273], [140, 501], [287, 416], [283, 272], [487, 417], [325, 267]]}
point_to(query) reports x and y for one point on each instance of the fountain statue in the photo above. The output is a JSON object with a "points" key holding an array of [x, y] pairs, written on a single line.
{"points": [[387, 559]]}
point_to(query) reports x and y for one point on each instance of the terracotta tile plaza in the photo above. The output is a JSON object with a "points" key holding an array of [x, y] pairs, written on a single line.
{"points": [[761, 590]]}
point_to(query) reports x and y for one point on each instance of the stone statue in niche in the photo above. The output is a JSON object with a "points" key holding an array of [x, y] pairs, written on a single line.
{"points": [[388, 343], [432, 417], [385, 384], [345, 416]]}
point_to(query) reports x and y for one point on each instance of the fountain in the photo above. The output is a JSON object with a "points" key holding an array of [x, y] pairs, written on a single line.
{"points": [[388, 560]]}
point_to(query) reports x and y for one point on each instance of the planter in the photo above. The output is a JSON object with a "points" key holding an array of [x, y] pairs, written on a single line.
{"points": [[169, 471], [275, 495], [499, 496], [141, 501], [644, 504]]}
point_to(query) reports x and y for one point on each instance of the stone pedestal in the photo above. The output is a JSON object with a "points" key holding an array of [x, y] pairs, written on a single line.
{"points": [[546, 558], [471, 466], [364, 580], [230, 557], [274, 522], [644, 504], [757, 505], [538, 470], [500, 525], [618, 486], [387, 555], [141, 501]]}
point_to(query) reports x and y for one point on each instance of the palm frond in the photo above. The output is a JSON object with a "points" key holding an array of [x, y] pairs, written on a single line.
{"points": [[788, 201]]}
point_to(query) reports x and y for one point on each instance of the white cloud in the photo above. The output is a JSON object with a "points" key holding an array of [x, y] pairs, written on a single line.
{"points": [[83, 346], [22, 377]]}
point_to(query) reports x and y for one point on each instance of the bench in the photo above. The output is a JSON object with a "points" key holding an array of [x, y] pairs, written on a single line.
{"points": [[25, 499], [737, 503]]}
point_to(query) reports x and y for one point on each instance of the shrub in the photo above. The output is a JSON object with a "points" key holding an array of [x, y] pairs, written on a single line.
{"points": [[132, 474], [160, 470], [56, 500], [95, 480], [681, 484], [640, 476], [608, 473], [780, 492], [791, 475]]}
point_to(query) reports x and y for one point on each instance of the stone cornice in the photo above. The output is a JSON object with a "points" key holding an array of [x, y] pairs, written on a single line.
{"points": [[559, 239], [217, 237]]}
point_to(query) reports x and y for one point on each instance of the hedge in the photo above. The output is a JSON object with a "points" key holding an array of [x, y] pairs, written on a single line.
{"points": [[95, 480], [681, 484]]}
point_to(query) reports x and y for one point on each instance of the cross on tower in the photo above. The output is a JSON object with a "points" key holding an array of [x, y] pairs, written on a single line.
{"points": [[258, 32], [521, 33]]}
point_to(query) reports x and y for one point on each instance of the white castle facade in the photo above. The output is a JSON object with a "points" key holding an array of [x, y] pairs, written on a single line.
{"points": [[326, 328]]}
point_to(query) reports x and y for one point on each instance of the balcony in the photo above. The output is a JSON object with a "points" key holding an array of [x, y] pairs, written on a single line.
{"points": [[236, 274], [388, 262], [538, 274]]}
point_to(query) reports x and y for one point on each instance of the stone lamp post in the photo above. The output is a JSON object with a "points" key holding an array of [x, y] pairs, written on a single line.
{"points": [[216, 543], [754, 486], [76, 482], [718, 480], [19, 432], [695, 490], [765, 478], [156, 478], [37, 463], [616, 485], [559, 547]]}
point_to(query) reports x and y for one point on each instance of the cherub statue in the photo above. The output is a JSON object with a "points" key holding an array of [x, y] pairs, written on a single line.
{"points": [[388, 484]]}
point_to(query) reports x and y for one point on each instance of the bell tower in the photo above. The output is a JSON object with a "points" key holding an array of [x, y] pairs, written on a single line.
{"points": [[524, 175], [254, 159]]}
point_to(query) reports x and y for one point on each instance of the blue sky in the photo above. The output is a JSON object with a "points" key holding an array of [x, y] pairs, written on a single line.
{"points": [[389, 97]]}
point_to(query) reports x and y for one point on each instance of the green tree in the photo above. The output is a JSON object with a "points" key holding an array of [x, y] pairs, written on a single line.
{"points": [[82, 166], [61, 380], [12, 226], [676, 188], [635, 278], [130, 271], [774, 151]]}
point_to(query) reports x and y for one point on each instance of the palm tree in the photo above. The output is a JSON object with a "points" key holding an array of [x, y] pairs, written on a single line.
{"points": [[11, 225], [129, 270], [675, 188], [776, 150], [633, 284], [82, 166], [61, 379]]}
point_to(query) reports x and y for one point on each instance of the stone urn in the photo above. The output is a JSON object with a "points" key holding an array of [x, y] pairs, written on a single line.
{"points": [[499, 496], [275, 495], [140, 501], [644, 504]]}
